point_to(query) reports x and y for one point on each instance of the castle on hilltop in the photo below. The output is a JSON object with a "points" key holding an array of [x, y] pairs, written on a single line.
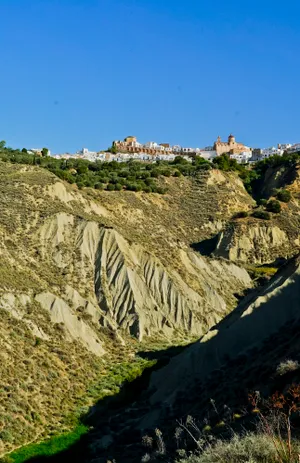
{"points": [[231, 147]]}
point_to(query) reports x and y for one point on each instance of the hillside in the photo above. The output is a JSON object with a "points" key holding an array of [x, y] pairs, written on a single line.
{"points": [[83, 280], [252, 241], [95, 283], [213, 376]]}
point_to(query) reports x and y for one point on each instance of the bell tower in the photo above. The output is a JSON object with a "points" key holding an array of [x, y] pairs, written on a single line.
{"points": [[231, 139]]}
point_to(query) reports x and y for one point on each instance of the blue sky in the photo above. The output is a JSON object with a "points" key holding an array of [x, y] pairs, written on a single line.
{"points": [[84, 72]]}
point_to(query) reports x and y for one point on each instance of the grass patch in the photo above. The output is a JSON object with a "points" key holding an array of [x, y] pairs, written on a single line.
{"points": [[47, 448]]}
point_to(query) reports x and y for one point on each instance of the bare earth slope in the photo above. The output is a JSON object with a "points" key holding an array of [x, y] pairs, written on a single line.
{"points": [[83, 274], [262, 241], [259, 317]]}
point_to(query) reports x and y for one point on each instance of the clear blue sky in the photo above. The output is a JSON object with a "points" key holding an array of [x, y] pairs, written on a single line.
{"points": [[80, 73]]}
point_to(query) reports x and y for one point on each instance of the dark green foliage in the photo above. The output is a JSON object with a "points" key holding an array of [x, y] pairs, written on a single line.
{"points": [[240, 215], [177, 173], [259, 214], [224, 162], [284, 196], [273, 206], [262, 202], [45, 152], [110, 187], [180, 160], [112, 149]]}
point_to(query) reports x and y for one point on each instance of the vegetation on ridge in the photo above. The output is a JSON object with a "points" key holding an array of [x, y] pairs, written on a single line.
{"points": [[141, 176], [131, 175]]}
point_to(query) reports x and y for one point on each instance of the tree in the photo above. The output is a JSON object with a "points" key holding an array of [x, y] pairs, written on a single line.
{"points": [[113, 149], [261, 215], [273, 206], [2, 144], [284, 196], [45, 152], [24, 150]]}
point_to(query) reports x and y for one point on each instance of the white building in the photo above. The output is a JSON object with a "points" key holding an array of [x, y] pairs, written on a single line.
{"points": [[188, 150], [284, 146], [242, 158], [176, 149], [294, 148], [268, 152], [152, 145], [208, 155]]}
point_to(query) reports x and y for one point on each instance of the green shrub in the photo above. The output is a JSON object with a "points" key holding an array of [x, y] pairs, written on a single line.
{"points": [[177, 173], [118, 187], [110, 187], [204, 166], [273, 206], [155, 173], [166, 172], [262, 202], [99, 186], [284, 196], [240, 215], [259, 214]]}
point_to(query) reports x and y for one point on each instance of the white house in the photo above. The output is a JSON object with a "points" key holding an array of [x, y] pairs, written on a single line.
{"points": [[267, 152], [176, 149], [242, 158], [284, 146], [294, 148], [208, 155], [188, 150], [152, 145]]}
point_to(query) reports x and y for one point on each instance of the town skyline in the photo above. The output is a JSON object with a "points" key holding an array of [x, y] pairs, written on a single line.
{"points": [[150, 141]]}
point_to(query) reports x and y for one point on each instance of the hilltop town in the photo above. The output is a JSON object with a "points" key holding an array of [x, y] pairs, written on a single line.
{"points": [[130, 148]]}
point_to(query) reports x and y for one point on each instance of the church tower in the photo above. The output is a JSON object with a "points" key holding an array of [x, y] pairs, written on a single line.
{"points": [[231, 140]]}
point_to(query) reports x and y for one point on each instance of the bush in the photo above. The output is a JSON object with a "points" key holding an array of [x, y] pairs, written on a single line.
{"points": [[240, 215], [132, 186], [273, 206], [204, 166], [118, 187], [166, 172], [261, 215], [250, 448], [99, 186], [110, 187], [286, 367], [155, 173], [177, 173], [262, 202], [284, 196]]}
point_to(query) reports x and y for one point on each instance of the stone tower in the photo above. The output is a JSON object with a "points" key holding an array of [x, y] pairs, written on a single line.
{"points": [[231, 139]]}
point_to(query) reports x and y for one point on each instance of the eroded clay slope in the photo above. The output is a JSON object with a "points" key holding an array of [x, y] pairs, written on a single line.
{"points": [[142, 297], [258, 317], [130, 289]]}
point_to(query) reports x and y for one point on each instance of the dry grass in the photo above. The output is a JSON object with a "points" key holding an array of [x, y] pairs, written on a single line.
{"points": [[250, 448]]}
